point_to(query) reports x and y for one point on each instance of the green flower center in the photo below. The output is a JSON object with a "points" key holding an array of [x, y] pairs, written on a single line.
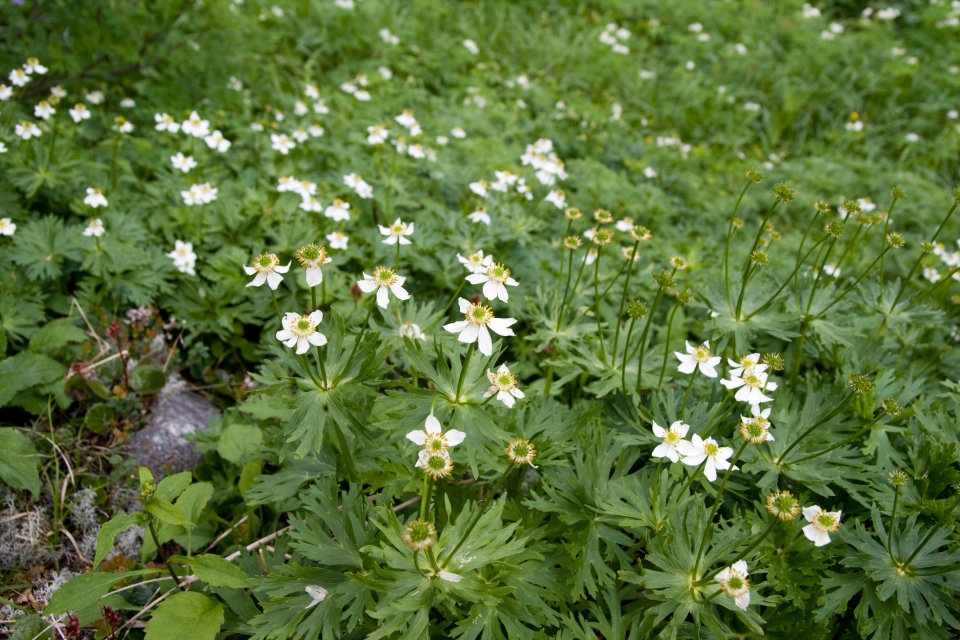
{"points": [[735, 583], [437, 463], [701, 354], [303, 325], [710, 448], [825, 521]]}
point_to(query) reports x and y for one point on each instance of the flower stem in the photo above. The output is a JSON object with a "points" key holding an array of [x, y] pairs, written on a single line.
{"points": [[596, 302], [643, 338], [424, 496], [686, 395], [346, 453], [623, 364], [453, 299], [566, 289], [560, 275], [463, 370], [855, 283], [693, 476], [313, 298], [716, 505], [746, 262], [396, 266], [323, 369], [666, 346], [842, 443], [916, 264], [743, 554], [363, 329], [926, 539], [163, 556], [886, 227], [726, 246], [572, 292], [623, 301], [893, 520], [276, 306]]}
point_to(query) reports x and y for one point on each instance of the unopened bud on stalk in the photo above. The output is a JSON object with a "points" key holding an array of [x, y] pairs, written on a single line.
{"points": [[956, 195], [738, 223], [602, 237], [860, 383], [821, 207], [759, 258], [895, 240], [784, 193], [782, 505], [664, 279], [640, 233], [927, 247], [898, 193], [419, 535], [852, 207], [891, 407], [637, 310], [835, 228], [602, 216], [755, 176], [684, 297], [898, 478], [774, 361]]}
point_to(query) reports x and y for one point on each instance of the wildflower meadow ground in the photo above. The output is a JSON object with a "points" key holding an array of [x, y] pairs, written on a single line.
{"points": [[518, 320]]}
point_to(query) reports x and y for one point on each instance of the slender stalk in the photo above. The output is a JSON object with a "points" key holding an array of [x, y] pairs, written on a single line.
{"points": [[363, 329], [746, 262], [893, 519], [743, 554], [602, 295], [480, 510], [572, 292], [318, 353], [643, 338], [693, 476], [416, 564], [776, 293], [163, 556], [916, 264], [566, 231], [726, 246], [656, 482], [313, 299], [686, 395], [834, 411], [423, 496], [623, 364], [453, 299], [596, 302], [716, 505], [623, 300], [276, 306], [666, 346], [799, 261], [566, 289], [886, 227], [396, 266], [926, 539], [842, 443], [852, 286], [463, 370]]}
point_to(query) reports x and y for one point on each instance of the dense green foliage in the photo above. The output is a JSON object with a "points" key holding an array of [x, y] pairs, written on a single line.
{"points": [[767, 195]]}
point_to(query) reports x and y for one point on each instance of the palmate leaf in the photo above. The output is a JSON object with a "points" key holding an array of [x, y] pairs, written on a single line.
{"points": [[43, 246], [343, 516], [285, 600]]}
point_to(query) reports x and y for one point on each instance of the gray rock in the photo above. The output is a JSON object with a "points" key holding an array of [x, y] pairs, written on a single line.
{"points": [[177, 412]]}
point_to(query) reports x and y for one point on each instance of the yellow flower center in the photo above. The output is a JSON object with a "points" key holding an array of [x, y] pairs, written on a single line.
{"points": [[498, 273], [824, 521], [479, 314], [266, 262], [711, 448], [302, 327], [384, 277], [673, 437], [701, 354]]}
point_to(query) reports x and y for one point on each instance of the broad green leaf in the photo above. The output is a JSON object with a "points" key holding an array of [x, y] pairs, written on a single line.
{"points": [[19, 461], [172, 486], [85, 589], [56, 334], [214, 570], [186, 616], [192, 501], [26, 370], [239, 440], [166, 512], [110, 529]]}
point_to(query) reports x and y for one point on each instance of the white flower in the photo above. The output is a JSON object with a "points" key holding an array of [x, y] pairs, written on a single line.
{"points": [[698, 357], [316, 593], [412, 331], [734, 582], [195, 126], [344, 4], [699, 450], [43, 110], [384, 279], [338, 240], [19, 77], [406, 118], [199, 194], [471, 46], [288, 183], [480, 187], [300, 135], [649, 172], [377, 134], [889, 13], [480, 216], [268, 269], [672, 438], [348, 87], [3, 147], [300, 108], [312, 258], [473, 328], [388, 37], [301, 331], [854, 125], [5, 92], [310, 203], [822, 524], [646, 75], [416, 151], [234, 84], [809, 12], [282, 143], [256, 126], [749, 363], [363, 96], [32, 65], [58, 91], [94, 228], [7, 228], [95, 97], [216, 141], [79, 112], [931, 274], [359, 185], [339, 211], [127, 103], [494, 279], [315, 130], [311, 91], [504, 385], [751, 385], [95, 198], [166, 123], [558, 198], [122, 125], [476, 262], [912, 137], [385, 73], [620, 48], [305, 188], [751, 106], [184, 259], [184, 163], [27, 130], [397, 232], [320, 108], [432, 438], [757, 428], [458, 132], [740, 48]]}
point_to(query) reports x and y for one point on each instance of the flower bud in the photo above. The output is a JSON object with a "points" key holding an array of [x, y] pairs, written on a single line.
{"points": [[784, 193], [664, 279], [898, 478], [898, 193], [738, 223], [640, 233], [852, 207], [821, 207], [927, 247], [684, 297], [419, 535], [678, 262], [602, 237], [891, 407], [759, 258], [755, 176], [572, 213], [782, 505], [774, 361], [572, 243], [602, 216], [895, 240], [860, 383], [835, 228], [637, 310]]}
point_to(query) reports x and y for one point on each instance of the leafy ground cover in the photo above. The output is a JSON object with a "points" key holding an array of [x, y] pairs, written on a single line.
{"points": [[525, 320]]}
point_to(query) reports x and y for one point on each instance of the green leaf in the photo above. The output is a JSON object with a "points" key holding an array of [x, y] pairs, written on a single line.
{"points": [[26, 370], [19, 462], [186, 616], [111, 528], [43, 246], [165, 511], [31, 628], [214, 570], [56, 334], [85, 589], [239, 440], [192, 501], [147, 379], [172, 486], [99, 417]]}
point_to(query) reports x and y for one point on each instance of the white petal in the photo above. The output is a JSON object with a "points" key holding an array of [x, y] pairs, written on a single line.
{"points": [[366, 285], [284, 335], [659, 431], [432, 425], [741, 565], [400, 292], [317, 339], [469, 334], [463, 305], [506, 398], [383, 298], [316, 317], [449, 577], [303, 345], [455, 437], [274, 279], [456, 327], [811, 512], [680, 428], [314, 277], [501, 326], [490, 290], [259, 280], [484, 343], [710, 470], [687, 367], [280, 269], [419, 437], [250, 270], [708, 370]]}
